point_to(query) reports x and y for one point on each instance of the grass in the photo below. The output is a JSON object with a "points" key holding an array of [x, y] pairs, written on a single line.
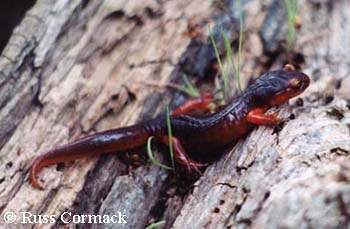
{"points": [[240, 44], [170, 136], [230, 57], [218, 58], [151, 155], [229, 54], [156, 225], [292, 12], [171, 150], [189, 88]]}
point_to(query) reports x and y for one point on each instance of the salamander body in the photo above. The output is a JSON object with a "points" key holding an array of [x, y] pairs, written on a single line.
{"points": [[197, 134]]}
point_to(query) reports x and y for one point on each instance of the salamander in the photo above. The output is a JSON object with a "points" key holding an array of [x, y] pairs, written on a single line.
{"points": [[204, 134]]}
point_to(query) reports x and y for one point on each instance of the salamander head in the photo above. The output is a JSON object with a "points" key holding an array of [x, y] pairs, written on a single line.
{"points": [[277, 87]]}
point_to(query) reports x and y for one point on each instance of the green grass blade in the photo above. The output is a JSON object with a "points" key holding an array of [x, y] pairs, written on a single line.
{"points": [[150, 154], [296, 8], [183, 89], [229, 52], [188, 89], [156, 225], [170, 137], [240, 43], [192, 90], [229, 55], [292, 7], [290, 23], [219, 60], [219, 93]]}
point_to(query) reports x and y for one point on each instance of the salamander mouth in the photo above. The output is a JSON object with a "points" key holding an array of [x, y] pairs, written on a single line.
{"points": [[287, 94]]}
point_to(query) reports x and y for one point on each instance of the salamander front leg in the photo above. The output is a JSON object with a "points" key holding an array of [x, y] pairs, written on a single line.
{"points": [[203, 104], [180, 155], [258, 117]]}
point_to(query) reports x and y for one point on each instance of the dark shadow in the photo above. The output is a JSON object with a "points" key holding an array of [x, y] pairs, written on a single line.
{"points": [[11, 14]]}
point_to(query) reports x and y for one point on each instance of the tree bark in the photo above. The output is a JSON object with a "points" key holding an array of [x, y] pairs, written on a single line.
{"points": [[74, 67]]}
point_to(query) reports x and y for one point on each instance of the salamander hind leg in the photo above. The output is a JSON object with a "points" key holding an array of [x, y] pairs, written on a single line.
{"points": [[180, 155], [202, 104]]}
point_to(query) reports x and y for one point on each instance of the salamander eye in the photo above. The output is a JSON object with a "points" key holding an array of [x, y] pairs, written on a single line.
{"points": [[296, 83]]}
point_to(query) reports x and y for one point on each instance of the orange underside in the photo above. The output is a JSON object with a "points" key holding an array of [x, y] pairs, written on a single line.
{"points": [[282, 98]]}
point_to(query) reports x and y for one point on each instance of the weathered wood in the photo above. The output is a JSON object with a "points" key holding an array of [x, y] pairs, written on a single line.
{"points": [[75, 67]]}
